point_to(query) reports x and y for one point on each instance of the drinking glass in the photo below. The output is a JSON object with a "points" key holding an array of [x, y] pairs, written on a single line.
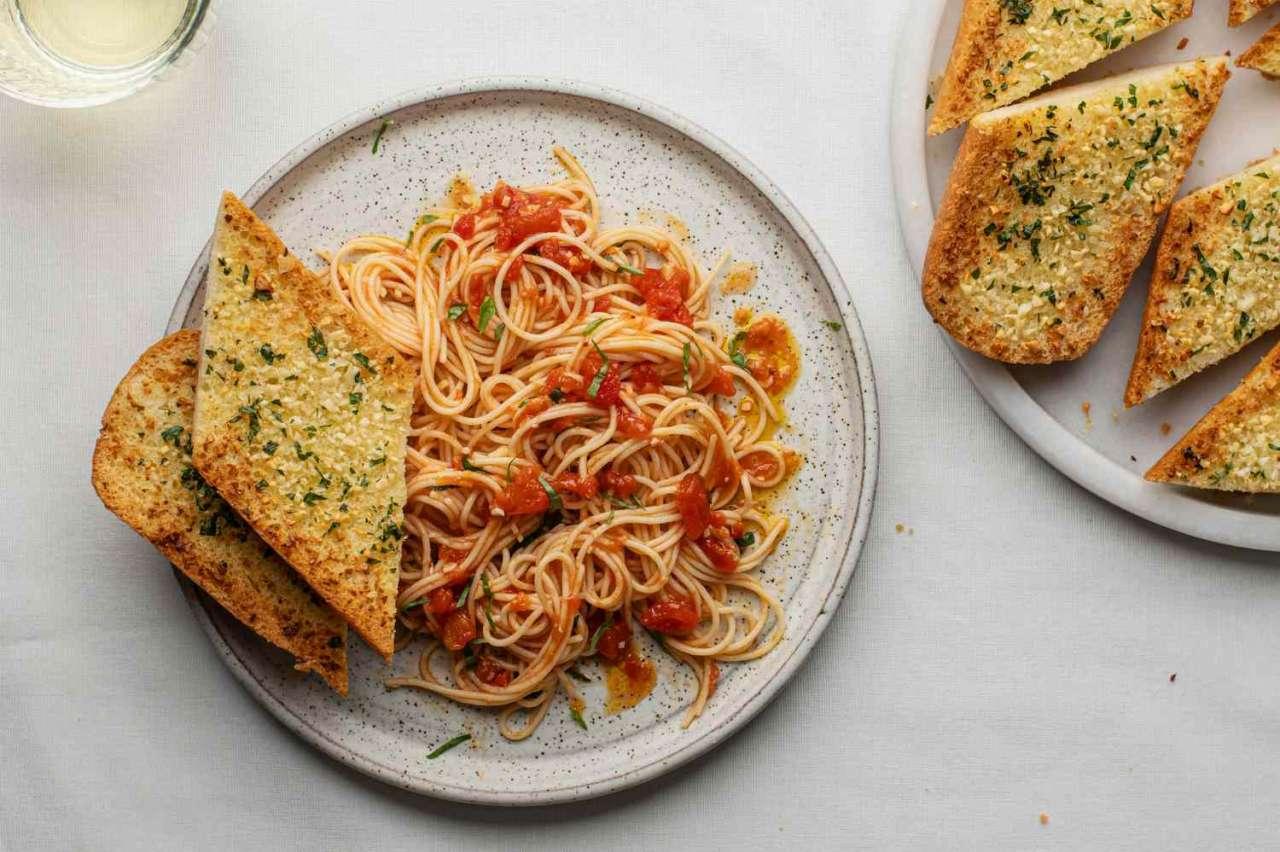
{"points": [[74, 53]]}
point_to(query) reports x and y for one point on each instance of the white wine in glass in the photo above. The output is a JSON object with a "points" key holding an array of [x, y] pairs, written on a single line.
{"points": [[82, 52]]}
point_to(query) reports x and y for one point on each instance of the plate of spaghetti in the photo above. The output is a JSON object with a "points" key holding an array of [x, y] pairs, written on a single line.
{"points": [[643, 449]]}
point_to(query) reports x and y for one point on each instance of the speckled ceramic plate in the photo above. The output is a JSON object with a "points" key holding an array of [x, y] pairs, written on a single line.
{"points": [[642, 158], [1101, 445]]}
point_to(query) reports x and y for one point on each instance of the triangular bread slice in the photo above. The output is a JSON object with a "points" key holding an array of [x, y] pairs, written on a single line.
{"points": [[1236, 446], [302, 416], [1216, 285], [1005, 50], [1052, 204], [1242, 10], [1264, 55], [142, 471]]}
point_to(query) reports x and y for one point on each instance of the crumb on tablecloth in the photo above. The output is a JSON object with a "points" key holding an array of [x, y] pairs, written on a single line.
{"points": [[1044, 818], [1182, 44], [1166, 428]]}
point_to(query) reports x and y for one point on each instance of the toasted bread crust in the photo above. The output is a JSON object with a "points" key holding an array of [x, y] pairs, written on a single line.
{"points": [[1216, 284], [1236, 446], [1264, 55], [1242, 10], [1000, 56], [1043, 222], [302, 420], [141, 473]]}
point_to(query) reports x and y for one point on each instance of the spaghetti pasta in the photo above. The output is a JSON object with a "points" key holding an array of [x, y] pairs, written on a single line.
{"points": [[576, 465]]}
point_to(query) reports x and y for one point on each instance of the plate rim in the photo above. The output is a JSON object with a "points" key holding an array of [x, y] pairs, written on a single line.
{"points": [[703, 741], [1165, 505]]}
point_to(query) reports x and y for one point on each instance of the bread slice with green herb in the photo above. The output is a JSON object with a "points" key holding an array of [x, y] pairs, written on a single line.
{"points": [[1242, 10], [1264, 55], [142, 471], [1236, 446], [302, 416], [1005, 50], [1052, 204], [1216, 285]]}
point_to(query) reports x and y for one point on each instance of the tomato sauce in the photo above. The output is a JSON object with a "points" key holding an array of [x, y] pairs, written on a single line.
{"points": [[524, 495], [693, 506], [628, 682], [664, 295], [772, 354]]}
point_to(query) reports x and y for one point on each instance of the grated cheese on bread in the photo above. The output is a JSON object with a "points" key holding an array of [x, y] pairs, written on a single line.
{"points": [[1242, 10], [1005, 50], [1264, 55], [1052, 204], [142, 471], [302, 416], [1216, 285], [1236, 446]]}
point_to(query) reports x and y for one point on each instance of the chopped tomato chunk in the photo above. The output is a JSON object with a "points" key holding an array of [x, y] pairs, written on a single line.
{"points": [[516, 267], [522, 603], [645, 379], [465, 226], [536, 406], [724, 471], [477, 292], [618, 484], [524, 495], [760, 465], [673, 615], [524, 217], [610, 387], [458, 630], [691, 503], [721, 551], [572, 483], [615, 640], [664, 296], [720, 383], [566, 255], [734, 528], [440, 601], [487, 671], [570, 385], [633, 425]]}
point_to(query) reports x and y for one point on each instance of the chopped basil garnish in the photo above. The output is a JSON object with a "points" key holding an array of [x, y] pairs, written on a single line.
{"points": [[592, 326], [315, 342], [457, 310], [736, 354], [467, 465], [552, 495], [746, 540], [595, 637], [577, 717], [443, 747], [487, 310], [685, 354], [377, 137]]}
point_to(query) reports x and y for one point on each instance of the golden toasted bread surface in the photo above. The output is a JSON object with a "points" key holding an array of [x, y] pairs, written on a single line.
{"points": [[302, 416], [1242, 10], [1264, 55], [1216, 285], [142, 471], [1052, 204], [1005, 50], [1236, 446]]}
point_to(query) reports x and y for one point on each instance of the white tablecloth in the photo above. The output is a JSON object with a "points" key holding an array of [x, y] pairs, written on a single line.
{"points": [[1009, 653]]}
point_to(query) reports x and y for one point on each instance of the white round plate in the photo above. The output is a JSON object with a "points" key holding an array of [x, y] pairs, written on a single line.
{"points": [[1072, 414], [645, 161]]}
